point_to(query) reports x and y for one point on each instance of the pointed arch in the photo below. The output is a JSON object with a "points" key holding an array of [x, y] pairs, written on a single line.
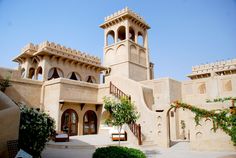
{"points": [[91, 79], [74, 76], [55, 73]]}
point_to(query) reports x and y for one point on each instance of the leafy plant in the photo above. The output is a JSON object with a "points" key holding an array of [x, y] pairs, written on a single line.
{"points": [[36, 127], [118, 152], [121, 113], [4, 83], [220, 99], [222, 119]]}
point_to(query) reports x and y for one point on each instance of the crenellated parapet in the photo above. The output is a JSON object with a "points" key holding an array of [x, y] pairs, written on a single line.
{"points": [[69, 51], [218, 68], [122, 14], [29, 48], [59, 50], [124, 11]]}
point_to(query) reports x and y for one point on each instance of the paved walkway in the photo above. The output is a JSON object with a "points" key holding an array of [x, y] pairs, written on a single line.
{"points": [[84, 147], [182, 150]]}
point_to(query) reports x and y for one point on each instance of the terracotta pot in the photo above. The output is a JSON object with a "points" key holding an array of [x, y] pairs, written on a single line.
{"points": [[233, 110]]}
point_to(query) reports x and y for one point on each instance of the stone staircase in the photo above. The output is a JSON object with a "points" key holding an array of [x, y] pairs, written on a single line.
{"points": [[134, 128]]}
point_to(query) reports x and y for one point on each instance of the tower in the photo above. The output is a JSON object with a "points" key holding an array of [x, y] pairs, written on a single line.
{"points": [[126, 45]]}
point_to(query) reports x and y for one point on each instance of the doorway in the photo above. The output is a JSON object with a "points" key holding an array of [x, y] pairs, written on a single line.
{"points": [[90, 123], [69, 122]]}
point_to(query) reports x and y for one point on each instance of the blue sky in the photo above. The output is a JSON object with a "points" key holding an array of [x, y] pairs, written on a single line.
{"points": [[183, 33]]}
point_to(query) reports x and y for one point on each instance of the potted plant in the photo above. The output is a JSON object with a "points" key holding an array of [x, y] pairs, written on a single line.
{"points": [[233, 108], [4, 83]]}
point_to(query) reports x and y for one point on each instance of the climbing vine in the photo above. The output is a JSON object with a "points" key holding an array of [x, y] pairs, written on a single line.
{"points": [[221, 99], [224, 119]]}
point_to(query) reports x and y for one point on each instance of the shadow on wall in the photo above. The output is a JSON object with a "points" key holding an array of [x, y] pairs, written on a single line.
{"points": [[18, 95], [9, 122]]}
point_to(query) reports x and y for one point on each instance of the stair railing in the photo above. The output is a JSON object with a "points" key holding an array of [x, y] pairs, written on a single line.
{"points": [[134, 127]]}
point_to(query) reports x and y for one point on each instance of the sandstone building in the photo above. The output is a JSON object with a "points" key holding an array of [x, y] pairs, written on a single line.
{"points": [[66, 84]]}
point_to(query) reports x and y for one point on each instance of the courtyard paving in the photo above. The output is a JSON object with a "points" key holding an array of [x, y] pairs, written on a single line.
{"points": [[84, 146]]}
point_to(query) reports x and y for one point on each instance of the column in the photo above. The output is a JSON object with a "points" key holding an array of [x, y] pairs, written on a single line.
{"points": [[136, 36], [127, 30]]}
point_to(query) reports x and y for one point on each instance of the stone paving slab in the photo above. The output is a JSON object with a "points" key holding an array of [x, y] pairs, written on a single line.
{"points": [[84, 147], [153, 152]]}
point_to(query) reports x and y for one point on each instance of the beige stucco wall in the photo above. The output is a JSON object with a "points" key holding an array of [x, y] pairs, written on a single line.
{"points": [[214, 89], [148, 119], [9, 122], [137, 72], [202, 137], [78, 91], [168, 90], [25, 91], [11, 73], [71, 93], [51, 95], [165, 91]]}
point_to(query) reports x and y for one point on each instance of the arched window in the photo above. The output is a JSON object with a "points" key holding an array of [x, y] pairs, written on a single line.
{"points": [[74, 76], [140, 39], [54, 73], [23, 73], [131, 34], [202, 89], [91, 79], [90, 122], [110, 37], [121, 33], [31, 73], [39, 73]]}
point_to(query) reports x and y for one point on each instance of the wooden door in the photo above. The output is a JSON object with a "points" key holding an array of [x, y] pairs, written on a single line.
{"points": [[69, 122], [90, 123]]}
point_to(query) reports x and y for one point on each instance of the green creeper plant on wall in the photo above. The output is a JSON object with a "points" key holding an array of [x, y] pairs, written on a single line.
{"points": [[224, 119], [4, 83], [122, 112]]}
